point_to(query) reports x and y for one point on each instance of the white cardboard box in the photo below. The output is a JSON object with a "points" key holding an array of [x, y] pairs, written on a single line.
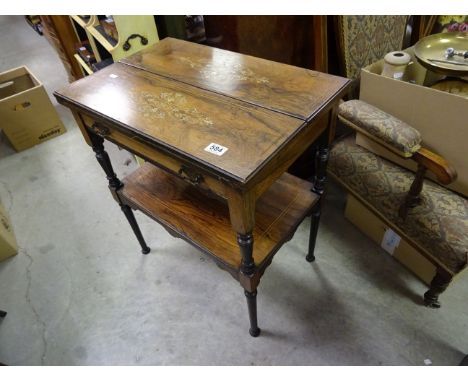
{"points": [[375, 228]]}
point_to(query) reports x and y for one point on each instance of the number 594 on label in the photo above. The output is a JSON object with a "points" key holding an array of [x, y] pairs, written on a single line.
{"points": [[216, 149]]}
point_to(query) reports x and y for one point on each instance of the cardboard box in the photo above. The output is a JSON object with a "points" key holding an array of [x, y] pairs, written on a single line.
{"points": [[27, 116], [8, 245], [440, 117], [375, 228]]}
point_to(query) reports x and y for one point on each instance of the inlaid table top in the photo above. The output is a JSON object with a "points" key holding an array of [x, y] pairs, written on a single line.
{"points": [[287, 89], [229, 112]]}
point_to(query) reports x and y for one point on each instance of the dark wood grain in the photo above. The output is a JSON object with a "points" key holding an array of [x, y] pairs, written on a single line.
{"points": [[241, 210], [438, 165], [183, 118], [426, 160], [167, 162], [276, 38], [294, 40], [285, 157], [60, 33], [204, 221], [284, 88], [413, 197]]}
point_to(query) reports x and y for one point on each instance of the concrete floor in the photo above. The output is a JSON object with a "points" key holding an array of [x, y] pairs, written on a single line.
{"points": [[80, 293]]}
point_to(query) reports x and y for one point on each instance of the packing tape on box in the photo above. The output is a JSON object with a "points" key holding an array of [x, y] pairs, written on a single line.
{"points": [[395, 64]]}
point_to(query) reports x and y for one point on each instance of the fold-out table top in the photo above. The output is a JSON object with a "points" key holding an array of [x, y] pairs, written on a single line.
{"points": [[229, 112]]}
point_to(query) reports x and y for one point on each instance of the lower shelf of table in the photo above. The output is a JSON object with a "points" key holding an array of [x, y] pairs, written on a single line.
{"points": [[204, 220]]}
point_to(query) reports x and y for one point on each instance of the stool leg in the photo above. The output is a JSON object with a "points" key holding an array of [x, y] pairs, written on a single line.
{"points": [[439, 283], [136, 229], [252, 305]]}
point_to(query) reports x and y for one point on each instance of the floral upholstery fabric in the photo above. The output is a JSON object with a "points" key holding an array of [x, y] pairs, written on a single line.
{"points": [[400, 136], [439, 224], [367, 39]]}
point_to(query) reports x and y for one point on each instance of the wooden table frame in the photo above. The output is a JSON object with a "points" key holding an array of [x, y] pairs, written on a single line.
{"points": [[248, 199], [241, 208]]}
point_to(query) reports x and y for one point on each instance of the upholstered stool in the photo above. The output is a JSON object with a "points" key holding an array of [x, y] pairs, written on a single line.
{"points": [[434, 219]]}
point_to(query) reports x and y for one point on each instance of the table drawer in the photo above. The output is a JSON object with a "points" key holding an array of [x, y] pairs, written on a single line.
{"points": [[168, 161]]}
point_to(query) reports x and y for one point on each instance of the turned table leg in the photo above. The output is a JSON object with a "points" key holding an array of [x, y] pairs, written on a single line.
{"points": [[115, 184], [252, 305], [136, 229], [314, 224], [242, 216], [320, 179], [248, 268]]}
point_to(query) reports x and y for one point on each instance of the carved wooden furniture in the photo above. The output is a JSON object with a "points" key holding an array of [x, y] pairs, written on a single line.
{"points": [[131, 33], [294, 40], [67, 33], [433, 219], [60, 33], [218, 131]]}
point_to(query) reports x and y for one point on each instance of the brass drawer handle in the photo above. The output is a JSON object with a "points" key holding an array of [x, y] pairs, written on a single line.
{"points": [[100, 130], [126, 46], [190, 176]]}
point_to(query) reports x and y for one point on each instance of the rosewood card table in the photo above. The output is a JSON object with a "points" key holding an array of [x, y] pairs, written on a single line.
{"points": [[218, 131]]}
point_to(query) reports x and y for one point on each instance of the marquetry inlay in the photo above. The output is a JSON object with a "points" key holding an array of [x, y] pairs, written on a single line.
{"points": [[172, 104], [226, 72]]}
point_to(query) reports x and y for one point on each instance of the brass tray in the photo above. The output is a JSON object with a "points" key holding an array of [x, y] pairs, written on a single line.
{"points": [[433, 47]]}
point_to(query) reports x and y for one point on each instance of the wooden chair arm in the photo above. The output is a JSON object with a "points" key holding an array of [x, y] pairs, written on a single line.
{"points": [[443, 170], [426, 160]]}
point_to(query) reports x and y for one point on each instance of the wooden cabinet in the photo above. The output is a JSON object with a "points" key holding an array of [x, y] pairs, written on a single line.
{"points": [[294, 40]]}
